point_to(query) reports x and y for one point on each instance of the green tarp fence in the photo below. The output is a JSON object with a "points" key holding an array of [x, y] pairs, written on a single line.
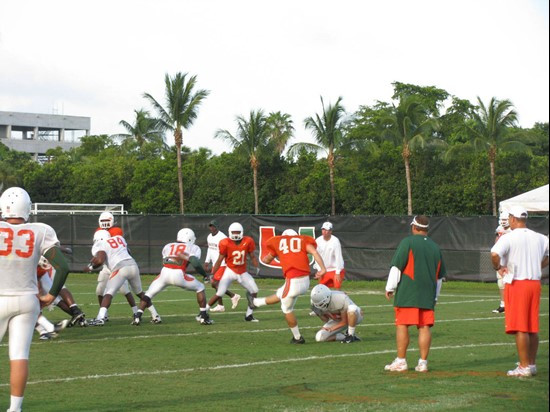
{"points": [[368, 242]]}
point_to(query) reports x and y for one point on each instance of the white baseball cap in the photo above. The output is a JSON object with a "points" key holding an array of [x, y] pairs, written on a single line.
{"points": [[518, 212], [327, 226]]}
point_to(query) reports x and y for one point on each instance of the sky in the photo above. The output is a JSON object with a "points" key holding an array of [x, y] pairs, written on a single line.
{"points": [[98, 58]]}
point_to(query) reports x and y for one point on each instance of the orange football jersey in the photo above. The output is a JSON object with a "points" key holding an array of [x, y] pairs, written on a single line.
{"points": [[235, 254], [114, 231], [291, 252]]}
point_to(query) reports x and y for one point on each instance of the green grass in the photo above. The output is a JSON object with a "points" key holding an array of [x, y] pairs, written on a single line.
{"points": [[238, 366]]}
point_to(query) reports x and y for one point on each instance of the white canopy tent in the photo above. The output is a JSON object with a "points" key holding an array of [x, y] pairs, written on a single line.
{"points": [[535, 200]]}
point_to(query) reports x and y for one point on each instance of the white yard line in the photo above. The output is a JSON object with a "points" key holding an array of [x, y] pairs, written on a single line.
{"points": [[255, 364]]}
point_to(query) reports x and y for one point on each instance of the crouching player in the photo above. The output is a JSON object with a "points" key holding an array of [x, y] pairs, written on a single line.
{"points": [[175, 257], [339, 313]]}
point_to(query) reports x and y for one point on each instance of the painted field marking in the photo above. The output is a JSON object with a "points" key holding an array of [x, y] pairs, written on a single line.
{"points": [[254, 364]]}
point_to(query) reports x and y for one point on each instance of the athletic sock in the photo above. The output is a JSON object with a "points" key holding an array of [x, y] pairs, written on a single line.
{"points": [[351, 330], [16, 402], [249, 311], [134, 309], [102, 313], [501, 303], [296, 332], [153, 311], [46, 324]]}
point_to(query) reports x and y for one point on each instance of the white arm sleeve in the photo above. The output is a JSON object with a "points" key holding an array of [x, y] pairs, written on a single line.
{"points": [[393, 279], [438, 288]]}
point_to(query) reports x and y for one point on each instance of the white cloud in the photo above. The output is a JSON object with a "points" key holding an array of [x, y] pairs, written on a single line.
{"points": [[98, 58]]}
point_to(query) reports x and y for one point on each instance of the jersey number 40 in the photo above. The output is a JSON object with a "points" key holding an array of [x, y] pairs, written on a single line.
{"points": [[267, 232]]}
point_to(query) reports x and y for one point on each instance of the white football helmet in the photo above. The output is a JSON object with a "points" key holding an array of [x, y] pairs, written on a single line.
{"points": [[320, 297], [238, 229], [106, 220], [503, 219], [186, 235], [289, 232], [101, 235], [15, 202]]}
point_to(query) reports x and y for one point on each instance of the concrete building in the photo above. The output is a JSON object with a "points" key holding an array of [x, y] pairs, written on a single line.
{"points": [[36, 133]]}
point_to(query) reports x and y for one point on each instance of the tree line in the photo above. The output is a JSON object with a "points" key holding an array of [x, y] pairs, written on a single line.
{"points": [[425, 151]]}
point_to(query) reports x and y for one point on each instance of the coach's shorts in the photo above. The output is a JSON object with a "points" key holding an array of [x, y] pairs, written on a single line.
{"points": [[415, 316], [329, 280], [522, 301]]}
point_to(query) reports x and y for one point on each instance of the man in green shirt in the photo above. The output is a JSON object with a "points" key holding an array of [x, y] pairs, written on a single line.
{"points": [[415, 277]]}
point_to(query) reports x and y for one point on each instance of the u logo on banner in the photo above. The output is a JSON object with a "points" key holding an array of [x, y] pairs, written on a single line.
{"points": [[267, 232]]}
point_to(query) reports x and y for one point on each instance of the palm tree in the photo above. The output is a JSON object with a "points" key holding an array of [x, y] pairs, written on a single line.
{"points": [[327, 131], [181, 107], [281, 130], [145, 129], [253, 136], [489, 133], [409, 126]]}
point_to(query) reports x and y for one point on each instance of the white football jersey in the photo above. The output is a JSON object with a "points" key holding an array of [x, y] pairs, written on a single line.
{"points": [[20, 249], [177, 248], [339, 301], [213, 247], [116, 250]]}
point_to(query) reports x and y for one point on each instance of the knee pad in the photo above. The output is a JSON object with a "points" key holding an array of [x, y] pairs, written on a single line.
{"points": [[352, 308], [147, 300]]}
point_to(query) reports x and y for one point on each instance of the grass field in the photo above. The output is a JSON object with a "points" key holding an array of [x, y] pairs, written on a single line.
{"points": [[236, 365]]}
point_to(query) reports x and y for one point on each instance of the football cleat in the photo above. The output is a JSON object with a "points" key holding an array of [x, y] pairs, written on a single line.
{"points": [[500, 309], [250, 300], [299, 341], [350, 339], [250, 318], [235, 301], [218, 308], [59, 326], [156, 320], [46, 336], [136, 321], [397, 366], [96, 322], [205, 319], [77, 318]]}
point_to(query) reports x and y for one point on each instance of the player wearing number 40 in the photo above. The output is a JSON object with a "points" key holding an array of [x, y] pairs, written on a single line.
{"points": [[21, 245], [292, 251]]}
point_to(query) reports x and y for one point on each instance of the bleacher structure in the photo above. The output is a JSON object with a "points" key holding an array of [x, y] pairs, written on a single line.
{"points": [[78, 208]]}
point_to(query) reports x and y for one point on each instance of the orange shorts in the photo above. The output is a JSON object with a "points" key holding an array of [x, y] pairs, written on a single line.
{"points": [[522, 301], [414, 316], [219, 273], [329, 281]]}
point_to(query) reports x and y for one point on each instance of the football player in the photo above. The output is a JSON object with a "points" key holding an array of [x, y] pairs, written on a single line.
{"points": [[213, 241], [175, 257], [339, 313], [234, 250], [21, 245], [106, 222], [292, 251], [113, 252]]}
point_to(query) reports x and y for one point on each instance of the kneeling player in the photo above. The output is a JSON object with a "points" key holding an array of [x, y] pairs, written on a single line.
{"points": [[339, 313]]}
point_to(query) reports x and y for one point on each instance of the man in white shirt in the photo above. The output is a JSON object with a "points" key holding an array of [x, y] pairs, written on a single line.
{"points": [[502, 229], [212, 255], [519, 257], [330, 250]]}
